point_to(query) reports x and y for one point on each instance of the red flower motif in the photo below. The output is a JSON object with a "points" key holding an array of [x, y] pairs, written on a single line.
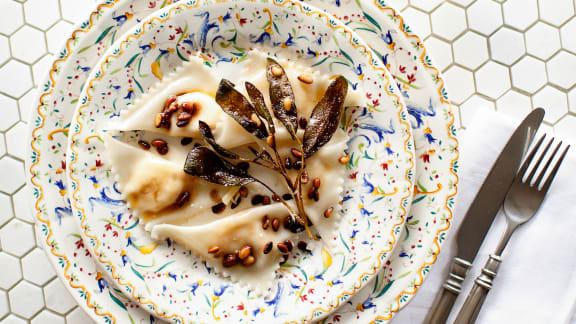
{"points": [[115, 233], [384, 166], [376, 102], [79, 244], [179, 30], [411, 78], [402, 69], [425, 157], [98, 163], [336, 318], [353, 175], [242, 21], [171, 37], [108, 227], [303, 297], [240, 307], [311, 290], [369, 95], [151, 4]]}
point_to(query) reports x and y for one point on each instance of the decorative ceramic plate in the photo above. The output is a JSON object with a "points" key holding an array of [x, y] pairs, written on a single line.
{"points": [[49, 126], [163, 276], [436, 146], [55, 107]]}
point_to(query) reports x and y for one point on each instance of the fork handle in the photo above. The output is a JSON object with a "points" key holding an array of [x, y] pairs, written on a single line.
{"points": [[482, 285], [445, 299]]}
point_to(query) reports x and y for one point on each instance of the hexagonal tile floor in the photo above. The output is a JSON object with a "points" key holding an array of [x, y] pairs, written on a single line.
{"points": [[505, 55]]}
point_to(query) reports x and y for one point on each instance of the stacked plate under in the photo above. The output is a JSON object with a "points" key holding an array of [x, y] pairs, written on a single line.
{"points": [[400, 184]]}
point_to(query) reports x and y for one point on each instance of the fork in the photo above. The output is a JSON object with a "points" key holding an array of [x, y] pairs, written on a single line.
{"points": [[521, 203]]}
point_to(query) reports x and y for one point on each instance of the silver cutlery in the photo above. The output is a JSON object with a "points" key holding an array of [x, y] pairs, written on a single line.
{"points": [[481, 213], [521, 204]]}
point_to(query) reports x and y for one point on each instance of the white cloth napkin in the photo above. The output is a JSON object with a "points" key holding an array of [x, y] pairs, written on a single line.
{"points": [[536, 282]]}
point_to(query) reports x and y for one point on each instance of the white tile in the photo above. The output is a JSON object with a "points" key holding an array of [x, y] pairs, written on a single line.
{"points": [[11, 272], [76, 10], [542, 40], [426, 5], [58, 298], [484, 16], [492, 79], [26, 299], [4, 49], [397, 4], [28, 44], [36, 267], [15, 78], [556, 12], [16, 139], [6, 212], [41, 13], [514, 104], [565, 127], [448, 21], [9, 110], [12, 174], [78, 316], [48, 317], [475, 105], [440, 51], [418, 22], [2, 145], [529, 74], [520, 13], [14, 11], [40, 69], [17, 237], [57, 35], [572, 100], [4, 308], [559, 69], [459, 84], [507, 46], [567, 33], [470, 50], [23, 206], [13, 319], [553, 101], [463, 3], [25, 104]]}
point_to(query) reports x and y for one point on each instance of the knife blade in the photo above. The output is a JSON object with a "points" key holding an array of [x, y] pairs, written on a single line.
{"points": [[481, 213]]}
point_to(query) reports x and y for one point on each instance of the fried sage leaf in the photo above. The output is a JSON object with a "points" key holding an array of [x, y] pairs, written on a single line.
{"points": [[206, 133], [204, 163], [238, 107], [325, 116], [282, 97], [257, 99]]}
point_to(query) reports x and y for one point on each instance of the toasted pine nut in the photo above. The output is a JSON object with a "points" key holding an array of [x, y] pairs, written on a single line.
{"points": [[305, 78], [276, 71], [158, 120], [287, 103], [344, 159]]}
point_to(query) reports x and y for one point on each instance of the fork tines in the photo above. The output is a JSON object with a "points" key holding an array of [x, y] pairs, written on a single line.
{"points": [[543, 170]]}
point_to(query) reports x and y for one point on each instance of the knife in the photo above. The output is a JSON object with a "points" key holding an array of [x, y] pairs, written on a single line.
{"points": [[481, 213]]}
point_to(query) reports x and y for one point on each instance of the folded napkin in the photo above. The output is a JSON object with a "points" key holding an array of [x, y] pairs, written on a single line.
{"points": [[536, 282]]}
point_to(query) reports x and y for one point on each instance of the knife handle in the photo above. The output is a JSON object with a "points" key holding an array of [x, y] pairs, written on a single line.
{"points": [[482, 285], [450, 291]]}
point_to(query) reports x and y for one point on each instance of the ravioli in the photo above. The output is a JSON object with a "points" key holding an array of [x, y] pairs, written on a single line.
{"points": [[205, 217]]}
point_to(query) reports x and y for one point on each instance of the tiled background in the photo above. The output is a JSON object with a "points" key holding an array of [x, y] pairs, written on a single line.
{"points": [[504, 55]]}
